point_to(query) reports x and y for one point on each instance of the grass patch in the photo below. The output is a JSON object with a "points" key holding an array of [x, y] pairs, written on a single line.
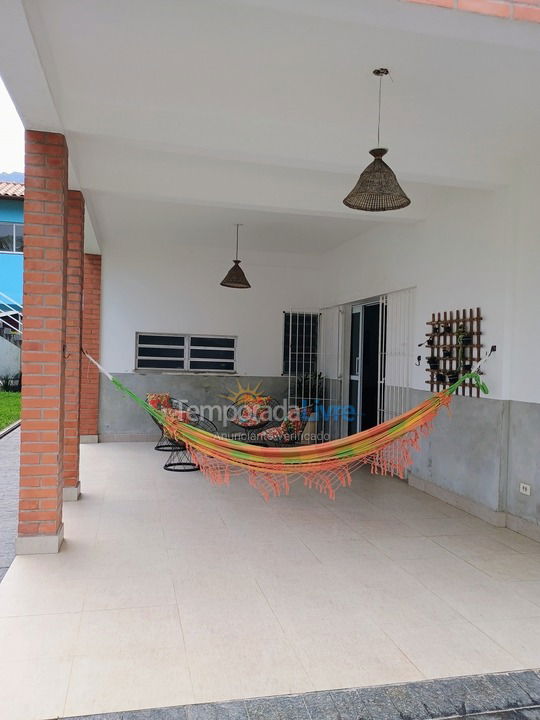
{"points": [[10, 408]]}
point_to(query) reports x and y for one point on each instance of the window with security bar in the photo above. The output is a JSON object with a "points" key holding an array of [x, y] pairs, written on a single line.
{"points": [[300, 342], [195, 353]]}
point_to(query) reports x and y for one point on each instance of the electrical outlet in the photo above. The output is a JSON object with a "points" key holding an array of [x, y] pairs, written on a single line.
{"points": [[524, 489]]}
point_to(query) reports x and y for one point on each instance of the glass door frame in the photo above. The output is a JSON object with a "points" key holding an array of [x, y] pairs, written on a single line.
{"points": [[357, 308]]}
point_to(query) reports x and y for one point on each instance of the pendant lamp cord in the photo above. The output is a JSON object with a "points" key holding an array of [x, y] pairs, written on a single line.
{"points": [[379, 120], [237, 226]]}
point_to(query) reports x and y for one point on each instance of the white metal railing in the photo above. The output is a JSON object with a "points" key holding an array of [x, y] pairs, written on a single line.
{"points": [[11, 315]]}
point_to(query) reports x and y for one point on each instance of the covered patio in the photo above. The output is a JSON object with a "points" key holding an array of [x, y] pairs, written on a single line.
{"points": [[168, 593], [153, 131]]}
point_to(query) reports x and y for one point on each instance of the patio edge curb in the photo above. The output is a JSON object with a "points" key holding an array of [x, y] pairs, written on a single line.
{"points": [[453, 697]]}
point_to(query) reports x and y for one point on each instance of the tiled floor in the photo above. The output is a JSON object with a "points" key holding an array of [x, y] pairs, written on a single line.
{"points": [[169, 591]]}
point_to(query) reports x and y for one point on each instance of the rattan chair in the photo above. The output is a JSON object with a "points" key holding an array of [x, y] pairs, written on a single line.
{"points": [[164, 444], [248, 428], [179, 460]]}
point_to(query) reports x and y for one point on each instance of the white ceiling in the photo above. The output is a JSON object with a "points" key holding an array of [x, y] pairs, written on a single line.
{"points": [[127, 220], [267, 105]]}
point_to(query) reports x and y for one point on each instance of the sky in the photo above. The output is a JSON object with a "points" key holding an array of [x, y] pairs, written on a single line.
{"points": [[11, 135]]}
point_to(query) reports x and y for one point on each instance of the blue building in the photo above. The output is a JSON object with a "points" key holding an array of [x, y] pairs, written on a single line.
{"points": [[11, 240]]}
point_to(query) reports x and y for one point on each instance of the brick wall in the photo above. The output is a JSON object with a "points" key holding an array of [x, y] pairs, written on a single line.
{"points": [[42, 355], [90, 341], [74, 279], [528, 10]]}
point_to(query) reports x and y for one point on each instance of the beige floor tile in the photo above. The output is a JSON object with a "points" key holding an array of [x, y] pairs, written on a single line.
{"points": [[27, 590], [530, 590], [135, 529], [490, 600], [279, 558], [38, 636], [121, 558], [435, 527], [340, 550], [516, 541], [392, 527], [471, 546], [128, 631], [153, 678], [403, 548], [457, 648], [205, 557], [509, 565], [444, 571], [336, 658], [144, 590], [246, 667], [520, 636], [34, 689], [422, 609]]}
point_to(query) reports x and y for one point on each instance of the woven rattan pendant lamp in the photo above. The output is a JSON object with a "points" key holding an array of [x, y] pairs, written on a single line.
{"points": [[235, 278], [377, 189]]}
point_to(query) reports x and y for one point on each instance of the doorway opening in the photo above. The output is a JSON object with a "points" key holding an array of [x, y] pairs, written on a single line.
{"points": [[380, 357], [368, 338]]}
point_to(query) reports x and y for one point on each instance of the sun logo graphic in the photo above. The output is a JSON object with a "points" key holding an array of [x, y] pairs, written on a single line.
{"points": [[243, 394]]}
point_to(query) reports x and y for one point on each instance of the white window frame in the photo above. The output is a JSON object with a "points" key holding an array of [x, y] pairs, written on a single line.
{"points": [[14, 225], [187, 359], [156, 369]]}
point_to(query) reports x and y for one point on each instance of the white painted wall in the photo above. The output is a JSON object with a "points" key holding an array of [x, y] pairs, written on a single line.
{"points": [[159, 285], [524, 346], [457, 258], [10, 358]]}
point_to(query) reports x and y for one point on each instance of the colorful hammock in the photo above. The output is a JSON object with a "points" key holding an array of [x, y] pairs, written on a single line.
{"points": [[326, 466]]}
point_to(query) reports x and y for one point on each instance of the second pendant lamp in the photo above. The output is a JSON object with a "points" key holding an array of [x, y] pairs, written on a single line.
{"points": [[377, 189], [236, 278]]}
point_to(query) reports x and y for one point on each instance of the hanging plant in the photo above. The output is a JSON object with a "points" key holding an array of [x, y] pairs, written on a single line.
{"points": [[464, 337]]}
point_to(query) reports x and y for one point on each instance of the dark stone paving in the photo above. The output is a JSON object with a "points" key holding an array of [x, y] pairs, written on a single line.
{"points": [[9, 498], [503, 696]]}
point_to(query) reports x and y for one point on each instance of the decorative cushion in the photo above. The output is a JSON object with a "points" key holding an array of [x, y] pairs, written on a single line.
{"points": [[297, 418], [273, 433], [172, 417], [159, 401], [253, 413], [174, 414], [289, 430]]}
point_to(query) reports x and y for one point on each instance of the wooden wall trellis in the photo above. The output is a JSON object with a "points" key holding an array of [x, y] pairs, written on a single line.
{"points": [[455, 343]]}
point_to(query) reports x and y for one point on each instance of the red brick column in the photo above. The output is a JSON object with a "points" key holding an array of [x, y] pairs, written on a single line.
{"points": [[91, 321], [74, 279], [42, 357]]}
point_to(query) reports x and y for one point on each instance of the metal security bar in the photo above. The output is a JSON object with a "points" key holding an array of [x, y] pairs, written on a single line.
{"points": [[312, 353], [159, 351], [195, 353], [212, 353]]}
